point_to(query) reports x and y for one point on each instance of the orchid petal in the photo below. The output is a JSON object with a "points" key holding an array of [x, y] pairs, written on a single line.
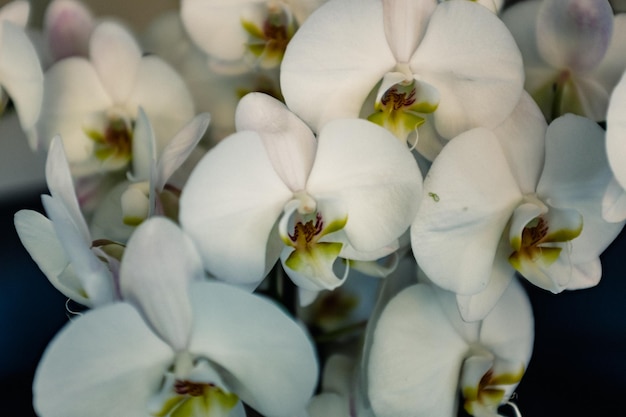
{"points": [[370, 173], [95, 278], [321, 83], [110, 353], [16, 11], [313, 271], [67, 27], [473, 93], [38, 236], [520, 19], [477, 306], [614, 203], [268, 359], [585, 275], [160, 289], [21, 74], [616, 132], [73, 94], [232, 229], [574, 34], [405, 22], [116, 56], [576, 175], [215, 26], [508, 331], [289, 142], [61, 186], [470, 194], [144, 149], [611, 68], [415, 357], [522, 136], [168, 106], [180, 147]]}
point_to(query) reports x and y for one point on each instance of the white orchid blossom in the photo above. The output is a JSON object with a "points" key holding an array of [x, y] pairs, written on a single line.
{"points": [[83, 270], [93, 102], [181, 346], [145, 194], [453, 65], [349, 194], [614, 203], [21, 76], [256, 31], [513, 200], [424, 355], [573, 53]]}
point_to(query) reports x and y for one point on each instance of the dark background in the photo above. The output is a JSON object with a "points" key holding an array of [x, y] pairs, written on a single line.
{"points": [[578, 366]]}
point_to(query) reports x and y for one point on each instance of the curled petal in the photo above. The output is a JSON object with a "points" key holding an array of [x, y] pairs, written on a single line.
{"points": [[289, 142], [21, 74], [158, 266]]}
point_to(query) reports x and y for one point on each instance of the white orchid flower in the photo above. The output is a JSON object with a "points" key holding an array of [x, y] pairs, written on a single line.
{"points": [[21, 76], [83, 270], [573, 53], [614, 203], [256, 31], [424, 355], [93, 102], [181, 346], [272, 190], [516, 199], [145, 194], [453, 65]]}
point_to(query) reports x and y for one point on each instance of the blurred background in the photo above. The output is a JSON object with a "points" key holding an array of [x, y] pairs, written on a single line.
{"points": [[579, 362]]}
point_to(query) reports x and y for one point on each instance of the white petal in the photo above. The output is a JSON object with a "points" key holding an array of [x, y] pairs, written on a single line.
{"points": [[115, 55], [370, 173], [180, 147], [575, 176], [61, 186], [405, 23], [612, 66], [73, 96], [229, 207], [289, 142], [585, 275], [521, 19], [469, 196], [416, 356], [21, 74], [268, 359], [508, 331], [162, 93], [470, 57], [574, 34], [325, 74], [616, 132], [144, 149], [38, 236], [522, 136], [95, 277], [614, 203], [67, 27], [108, 353], [159, 264], [215, 26], [16, 11]]}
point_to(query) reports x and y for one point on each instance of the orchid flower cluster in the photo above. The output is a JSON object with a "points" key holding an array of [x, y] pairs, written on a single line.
{"points": [[313, 207]]}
